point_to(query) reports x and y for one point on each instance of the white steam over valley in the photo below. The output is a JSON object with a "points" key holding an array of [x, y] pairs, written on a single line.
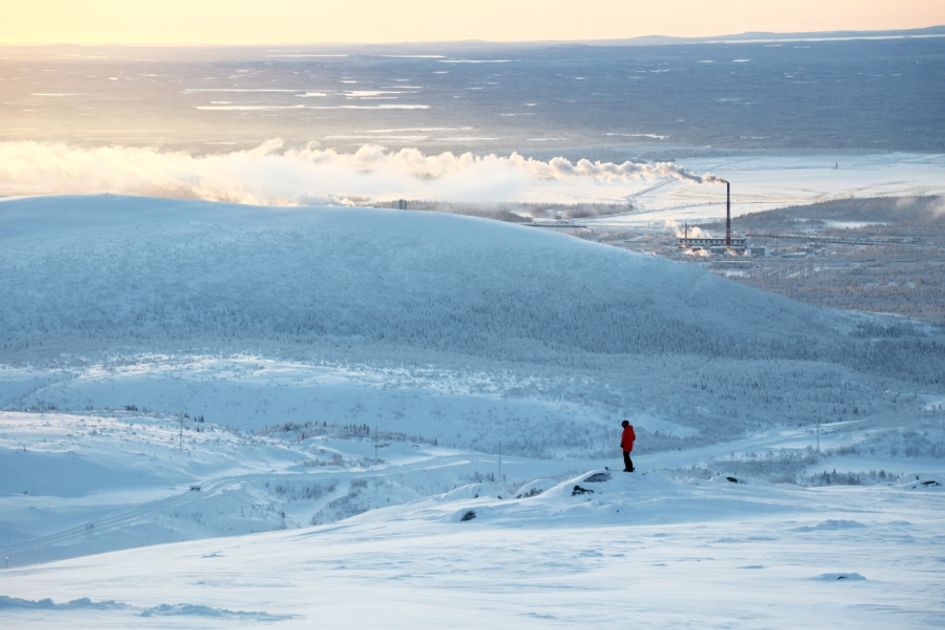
{"points": [[276, 174]]}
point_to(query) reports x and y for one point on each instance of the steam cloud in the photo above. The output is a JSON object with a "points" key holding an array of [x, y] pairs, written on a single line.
{"points": [[273, 174]]}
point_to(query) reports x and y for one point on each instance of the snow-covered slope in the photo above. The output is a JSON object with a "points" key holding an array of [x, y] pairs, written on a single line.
{"points": [[627, 550], [75, 484], [164, 274]]}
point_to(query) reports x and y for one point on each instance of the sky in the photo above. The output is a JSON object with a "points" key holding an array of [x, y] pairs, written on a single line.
{"points": [[380, 21]]}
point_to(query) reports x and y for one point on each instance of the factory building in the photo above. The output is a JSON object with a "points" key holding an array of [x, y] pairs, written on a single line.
{"points": [[737, 244]]}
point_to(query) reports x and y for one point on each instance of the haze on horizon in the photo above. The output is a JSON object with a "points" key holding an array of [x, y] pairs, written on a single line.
{"points": [[251, 22]]}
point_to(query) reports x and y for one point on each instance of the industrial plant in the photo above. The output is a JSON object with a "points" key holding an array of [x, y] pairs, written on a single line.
{"points": [[729, 244]]}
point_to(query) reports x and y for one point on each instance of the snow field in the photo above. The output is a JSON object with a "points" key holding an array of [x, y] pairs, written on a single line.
{"points": [[819, 558], [766, 182]]}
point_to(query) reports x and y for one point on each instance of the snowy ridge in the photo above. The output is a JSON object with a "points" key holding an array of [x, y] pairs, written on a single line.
{"points": [[602, 497]]}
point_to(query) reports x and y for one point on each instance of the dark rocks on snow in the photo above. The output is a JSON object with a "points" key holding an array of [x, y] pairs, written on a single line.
{"points": [[598, 477], [534, 492], [836, 577], [579, 490], [732, 479], [468, 516]]}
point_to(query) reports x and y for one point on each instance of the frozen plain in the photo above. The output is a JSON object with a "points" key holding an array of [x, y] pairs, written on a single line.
{"points": [[721, 381]]}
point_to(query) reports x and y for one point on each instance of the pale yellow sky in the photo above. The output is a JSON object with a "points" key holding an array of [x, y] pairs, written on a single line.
{"points": [[319, 21]]}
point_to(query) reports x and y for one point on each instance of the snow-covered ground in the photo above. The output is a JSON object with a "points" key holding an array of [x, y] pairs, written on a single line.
{"points": [[334, 390], [764, 182], [601, 548]]}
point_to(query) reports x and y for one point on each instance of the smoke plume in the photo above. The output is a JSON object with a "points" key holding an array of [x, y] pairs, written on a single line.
{"points": [[275, 174]]}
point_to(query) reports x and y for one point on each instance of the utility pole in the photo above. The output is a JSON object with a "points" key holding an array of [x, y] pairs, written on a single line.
{"points": [[500, 459]]}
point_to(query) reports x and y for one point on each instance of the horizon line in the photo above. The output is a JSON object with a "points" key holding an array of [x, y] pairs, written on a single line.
{"points": [[839, 34]]}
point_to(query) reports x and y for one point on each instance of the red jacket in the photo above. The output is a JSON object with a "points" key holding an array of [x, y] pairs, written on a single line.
{"points": [[626, 440]]}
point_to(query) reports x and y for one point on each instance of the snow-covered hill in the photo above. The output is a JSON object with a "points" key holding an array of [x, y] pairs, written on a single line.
{"points": [[81, 272], [472, 332]]}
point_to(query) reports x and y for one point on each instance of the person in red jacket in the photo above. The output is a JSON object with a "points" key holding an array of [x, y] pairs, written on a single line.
{"points": [[626, 443]]}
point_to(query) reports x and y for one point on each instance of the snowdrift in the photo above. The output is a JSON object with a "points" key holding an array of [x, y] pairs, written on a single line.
{"points": [[610, 497]]}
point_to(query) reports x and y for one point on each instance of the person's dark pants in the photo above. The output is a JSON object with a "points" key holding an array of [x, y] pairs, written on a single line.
{"points": [[627, 462]]}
